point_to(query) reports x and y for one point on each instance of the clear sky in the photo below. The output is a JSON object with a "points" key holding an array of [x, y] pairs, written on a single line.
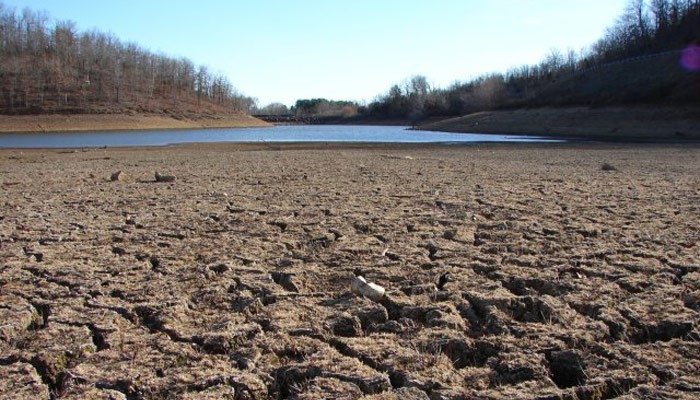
{"points": [[284, 50]]}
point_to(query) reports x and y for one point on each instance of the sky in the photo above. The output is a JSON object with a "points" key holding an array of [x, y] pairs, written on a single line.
{"points": [[281, 51]]}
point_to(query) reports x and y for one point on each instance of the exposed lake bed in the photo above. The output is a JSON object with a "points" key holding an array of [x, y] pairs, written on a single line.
{"points": [[620, 123], [515, 215], [574, 270]]}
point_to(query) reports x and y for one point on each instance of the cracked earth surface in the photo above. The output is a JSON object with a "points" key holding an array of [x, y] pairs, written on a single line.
{"points": [[568, 279]]}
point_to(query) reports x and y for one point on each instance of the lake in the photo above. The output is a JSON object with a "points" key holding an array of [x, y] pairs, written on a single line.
{"points": [[283, 133]]}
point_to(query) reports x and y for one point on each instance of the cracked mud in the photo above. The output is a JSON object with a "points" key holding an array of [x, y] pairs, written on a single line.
{"points": [[567, 280]]}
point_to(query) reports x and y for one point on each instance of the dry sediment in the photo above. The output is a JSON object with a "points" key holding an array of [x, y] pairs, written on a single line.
{"points": [[567, 280], [134, 121], [621, 123]]}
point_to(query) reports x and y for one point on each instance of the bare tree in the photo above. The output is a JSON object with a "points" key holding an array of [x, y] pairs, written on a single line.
{"points": [[45, 65]]}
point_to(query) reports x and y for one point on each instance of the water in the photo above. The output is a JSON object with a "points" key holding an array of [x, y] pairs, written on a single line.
{"points": [[288, 133]]}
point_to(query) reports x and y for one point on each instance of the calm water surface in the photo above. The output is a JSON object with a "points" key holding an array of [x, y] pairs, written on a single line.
{"points": [[289, 133]]}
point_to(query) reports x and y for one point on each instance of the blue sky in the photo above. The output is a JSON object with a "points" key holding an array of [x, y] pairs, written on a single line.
{"points": [[280, 51]]}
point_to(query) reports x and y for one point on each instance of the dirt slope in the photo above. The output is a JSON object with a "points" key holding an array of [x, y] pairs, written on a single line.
{"points": [[100, 122], [609, 123]]}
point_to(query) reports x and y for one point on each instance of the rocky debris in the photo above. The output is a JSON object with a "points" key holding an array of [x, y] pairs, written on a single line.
{"points": [[372, 314], [443, 280], [346, 325], [286, 280], [608, 167], [218, 268], [33, 254], [118, 176], [165, 178]]}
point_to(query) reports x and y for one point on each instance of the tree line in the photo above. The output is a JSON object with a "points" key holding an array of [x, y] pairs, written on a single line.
{"points": [[605, 73], [50, 66], [645, 28], [316, 108]]}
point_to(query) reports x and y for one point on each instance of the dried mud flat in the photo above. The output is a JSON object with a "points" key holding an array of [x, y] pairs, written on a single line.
{"points": [[569, 280], [122, 121]]}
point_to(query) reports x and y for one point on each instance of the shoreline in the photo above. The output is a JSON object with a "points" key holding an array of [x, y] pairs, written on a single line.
{"points": [[650, 125], [638, 123], [52, 123], [610, 124], [225, 147]]}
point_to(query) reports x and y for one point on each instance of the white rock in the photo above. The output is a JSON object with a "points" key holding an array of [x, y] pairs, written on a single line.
{"points": [[360, 287], [356, 284], [372, 291]]}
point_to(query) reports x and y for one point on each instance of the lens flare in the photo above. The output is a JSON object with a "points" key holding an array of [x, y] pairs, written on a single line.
{"points": [[690, 58]]}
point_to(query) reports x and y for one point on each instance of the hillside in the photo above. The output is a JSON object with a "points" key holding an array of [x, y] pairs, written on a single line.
{"points": [[613, 123], [108, 122], [641, 98], [49, 68], [649, 58], [656, 79]]}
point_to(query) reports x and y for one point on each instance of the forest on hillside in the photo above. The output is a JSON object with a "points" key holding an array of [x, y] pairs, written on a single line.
{"points": [[50, 66], [636, 62]]}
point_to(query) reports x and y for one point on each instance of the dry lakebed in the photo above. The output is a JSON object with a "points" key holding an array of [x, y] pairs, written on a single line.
{"points": [[532, 271]]}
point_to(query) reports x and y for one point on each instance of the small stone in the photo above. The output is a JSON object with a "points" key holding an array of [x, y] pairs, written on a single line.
{"points": [[347, 326], [285, 280], [450, 234], [443, 280], [376, 314], [118, 176], [372, 291], [392, 256], [219, 268], [432, 248], [356, 283], [165, 178]]}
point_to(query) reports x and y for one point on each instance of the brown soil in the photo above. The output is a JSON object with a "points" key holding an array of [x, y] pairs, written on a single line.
{"points": [[106, 122], [609, 123], [574, 272]]}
